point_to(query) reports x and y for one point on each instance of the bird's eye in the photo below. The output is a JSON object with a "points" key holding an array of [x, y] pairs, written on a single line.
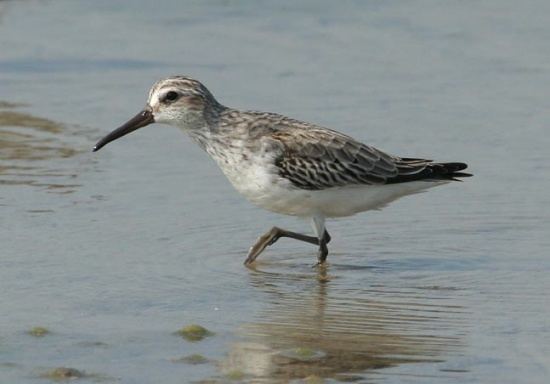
{"points": [[171, 96]]}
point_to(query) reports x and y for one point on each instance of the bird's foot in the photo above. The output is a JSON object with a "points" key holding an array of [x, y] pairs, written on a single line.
{"points": [[320, 264], [263, 242]]}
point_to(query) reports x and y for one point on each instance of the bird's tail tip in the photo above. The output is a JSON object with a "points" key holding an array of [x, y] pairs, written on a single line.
{"points": [[452, 170]]}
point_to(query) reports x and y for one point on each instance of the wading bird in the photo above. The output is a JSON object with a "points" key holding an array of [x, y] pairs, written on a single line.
{"points": [[285, 165]]}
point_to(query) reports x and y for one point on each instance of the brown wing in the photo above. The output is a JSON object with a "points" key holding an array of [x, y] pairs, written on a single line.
{"points": [[317, 158]]}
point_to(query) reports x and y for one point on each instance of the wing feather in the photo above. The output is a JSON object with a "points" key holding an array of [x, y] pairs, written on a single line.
{"points": [[317, 158]]}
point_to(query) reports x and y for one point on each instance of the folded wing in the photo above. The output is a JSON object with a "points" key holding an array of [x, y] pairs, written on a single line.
{"points": [[318, 158]]}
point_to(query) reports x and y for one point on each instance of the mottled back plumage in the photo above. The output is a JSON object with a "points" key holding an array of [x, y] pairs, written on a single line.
{"points": [[315, 158]]}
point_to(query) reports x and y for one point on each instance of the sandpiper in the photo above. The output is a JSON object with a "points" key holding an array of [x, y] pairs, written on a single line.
{"points": [[285, 165]]}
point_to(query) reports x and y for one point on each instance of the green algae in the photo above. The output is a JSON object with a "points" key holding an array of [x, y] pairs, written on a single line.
{"points": [[235, 375], [63, 373], [194, 332], [193, 359], [39, 332], [304, 352]]}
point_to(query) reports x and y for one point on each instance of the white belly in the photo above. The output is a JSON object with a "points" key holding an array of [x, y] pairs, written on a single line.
{"points": [[340, 201], [265, 188]]}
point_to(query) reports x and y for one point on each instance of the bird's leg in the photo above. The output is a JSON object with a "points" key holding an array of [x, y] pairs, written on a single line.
{"points": [[318, 223], [272, 236], [323, 249]]}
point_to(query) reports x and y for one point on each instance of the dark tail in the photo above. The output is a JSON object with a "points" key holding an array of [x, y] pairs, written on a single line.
{"points": [[446, 171], [422, 169]]}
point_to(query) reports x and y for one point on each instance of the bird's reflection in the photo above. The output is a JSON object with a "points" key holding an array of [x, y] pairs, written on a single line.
{"points": [[317, 324]]}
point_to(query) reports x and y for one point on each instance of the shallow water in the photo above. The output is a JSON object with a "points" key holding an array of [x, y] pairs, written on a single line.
{"points": [[114, 251]]}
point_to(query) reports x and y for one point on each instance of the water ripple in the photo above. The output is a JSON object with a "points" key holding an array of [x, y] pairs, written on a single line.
{"points": [[349, 327]]}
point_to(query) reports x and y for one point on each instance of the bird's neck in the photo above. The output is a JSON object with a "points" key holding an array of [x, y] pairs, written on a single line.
{"points": [[221, 134]]}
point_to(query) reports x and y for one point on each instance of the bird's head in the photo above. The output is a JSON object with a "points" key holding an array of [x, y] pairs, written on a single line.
{"points": [[178, 100]]}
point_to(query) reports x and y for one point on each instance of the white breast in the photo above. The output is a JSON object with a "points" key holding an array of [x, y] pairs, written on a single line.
{"points": [[253, 174]]}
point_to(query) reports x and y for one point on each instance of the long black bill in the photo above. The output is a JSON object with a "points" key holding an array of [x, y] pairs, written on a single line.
{"points": [[142, 119]]}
